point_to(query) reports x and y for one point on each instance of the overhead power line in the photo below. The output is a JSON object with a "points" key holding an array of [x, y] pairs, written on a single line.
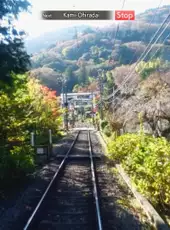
{"points": [[141, 71], [150, 58], [149, 25], [144, 54], [130, 109], [160, 46]]}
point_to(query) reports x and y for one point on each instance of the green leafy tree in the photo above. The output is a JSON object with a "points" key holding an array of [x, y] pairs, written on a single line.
{"points": [[25, 107], [146, 160], [76, 88], [66, 52], [146, 68]]}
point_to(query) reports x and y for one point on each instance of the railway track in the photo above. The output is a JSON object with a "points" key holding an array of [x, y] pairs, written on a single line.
{"points": [[71, 199]]}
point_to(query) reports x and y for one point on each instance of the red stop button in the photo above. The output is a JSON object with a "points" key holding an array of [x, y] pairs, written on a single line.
{"points": [[124, 15]]}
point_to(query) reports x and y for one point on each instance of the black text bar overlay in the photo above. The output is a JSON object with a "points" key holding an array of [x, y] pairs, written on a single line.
{"points": [[77, 15]]}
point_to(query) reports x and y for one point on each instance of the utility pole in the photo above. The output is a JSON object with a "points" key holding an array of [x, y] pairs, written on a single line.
{"points": [[92, 107], [63, 99], [101, 99], [159, 125], [65, 102], [66, 106]]}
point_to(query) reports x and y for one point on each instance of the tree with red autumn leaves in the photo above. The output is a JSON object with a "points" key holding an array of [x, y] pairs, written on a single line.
{"points": [[46, 105]]}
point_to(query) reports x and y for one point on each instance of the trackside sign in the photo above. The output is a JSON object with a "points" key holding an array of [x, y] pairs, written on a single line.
{"points": [[124, 15]]}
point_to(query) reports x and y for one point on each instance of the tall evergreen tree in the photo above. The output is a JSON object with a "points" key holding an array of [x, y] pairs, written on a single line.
{"points": [[70, 77], [83, 75], [13, 57]]}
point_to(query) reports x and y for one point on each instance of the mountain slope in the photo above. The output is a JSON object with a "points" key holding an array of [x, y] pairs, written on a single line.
{"points": [[44, 41], [80, 57]]}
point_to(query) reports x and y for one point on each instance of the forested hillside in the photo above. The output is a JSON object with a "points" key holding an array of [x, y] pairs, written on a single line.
{"points": [[92, 49]]}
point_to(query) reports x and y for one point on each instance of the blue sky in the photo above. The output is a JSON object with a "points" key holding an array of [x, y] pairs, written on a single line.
{"points": [[34, 26]]}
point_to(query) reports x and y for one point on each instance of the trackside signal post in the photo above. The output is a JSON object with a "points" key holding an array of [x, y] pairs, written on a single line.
{"points": [[43, 151]]}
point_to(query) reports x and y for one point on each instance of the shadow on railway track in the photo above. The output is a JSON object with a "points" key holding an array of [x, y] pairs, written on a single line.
{"points": [[69, 204], [77, 206], [113, 215]]}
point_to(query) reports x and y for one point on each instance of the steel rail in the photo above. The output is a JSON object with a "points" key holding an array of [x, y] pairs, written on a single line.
{"points": [[30, 220], [95, 192]]}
